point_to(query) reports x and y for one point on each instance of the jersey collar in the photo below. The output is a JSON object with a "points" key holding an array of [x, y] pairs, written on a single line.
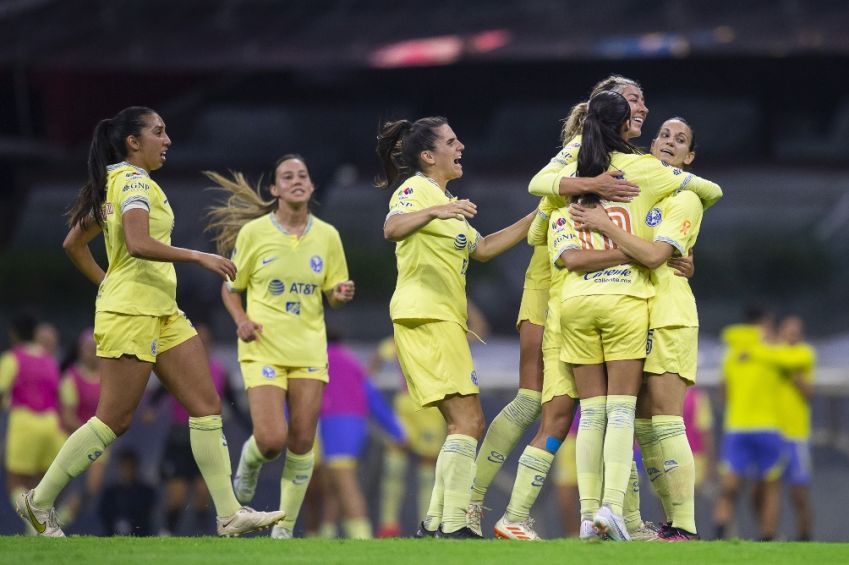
{"points": [[115, 166], [284, 231], [434, 183]]}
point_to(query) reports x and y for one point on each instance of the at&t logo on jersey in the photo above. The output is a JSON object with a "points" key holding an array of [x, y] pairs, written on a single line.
{"points": [[460, 241], [316, 263], [654, 217], [268, 372], [276, 287]]}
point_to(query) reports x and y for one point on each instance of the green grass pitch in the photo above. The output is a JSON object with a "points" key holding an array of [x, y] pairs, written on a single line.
{"points": [[255, 551]]}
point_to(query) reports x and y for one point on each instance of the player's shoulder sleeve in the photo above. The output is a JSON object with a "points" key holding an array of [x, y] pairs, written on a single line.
{"points": [[561, 235], [654, 177], [243, 255], [547, 181], [410, 196], [337, 268], [8, 370], [681, 216], [132, 189]]}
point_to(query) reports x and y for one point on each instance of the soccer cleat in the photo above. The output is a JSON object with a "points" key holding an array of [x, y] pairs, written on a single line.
{"points": [[463, 533], [43, 521], [279, 532], [606, 522], [677, 534], [516, 530], [474, 515], [246, 520], [244, 483], [588, 531], [389, 531], [423, 532], [646, 531]]}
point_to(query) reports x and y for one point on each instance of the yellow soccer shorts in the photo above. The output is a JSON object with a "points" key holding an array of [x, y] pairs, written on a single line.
{"points": [[533, 307], [565, 468], [558, 379], [435, 359], [32, 441], [601, 328], [673, 350], [257, 373], [143, 337], [425, 428]]}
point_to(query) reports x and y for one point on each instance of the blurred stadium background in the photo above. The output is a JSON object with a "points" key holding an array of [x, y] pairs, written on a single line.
{"points": [[241, 82]]}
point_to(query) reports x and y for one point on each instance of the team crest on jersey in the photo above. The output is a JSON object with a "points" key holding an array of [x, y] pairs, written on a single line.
{"points": [[316, 263], [276, 287], [268, 372], [654, 217], [460, 241]]}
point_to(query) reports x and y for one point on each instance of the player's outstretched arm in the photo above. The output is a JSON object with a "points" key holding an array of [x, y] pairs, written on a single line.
{"points": [[497, 243]]}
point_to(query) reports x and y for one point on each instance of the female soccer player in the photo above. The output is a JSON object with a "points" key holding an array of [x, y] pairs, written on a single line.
{"points": [[428, 308], [138, 326], [672, 348], [604, 314], [30, 376], [288, 260]]}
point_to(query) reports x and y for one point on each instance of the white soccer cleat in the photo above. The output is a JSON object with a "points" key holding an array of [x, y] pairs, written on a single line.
{"points": [[42, 520], [244, 483], [523, 531], [646, 531], [588, 531], [474, 515], [246, 520], [606, 522], [279, 532]]}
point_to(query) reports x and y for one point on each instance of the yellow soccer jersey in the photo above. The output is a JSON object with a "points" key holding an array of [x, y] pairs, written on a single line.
{"points": [[432, 261], [656, 181], [538, 274], [137, 287], [751, 384], [794, 407], [284, 276], [551, 337], [547, 181], [679, 219]]}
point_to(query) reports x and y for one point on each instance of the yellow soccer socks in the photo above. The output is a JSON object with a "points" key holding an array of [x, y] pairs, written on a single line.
{"points": [[679, 470], [458, 471], [618, 449], [652, 454], [209, 447], [81, 449], [589, 444], [501, 438], [631, 507], [534, 465], [294, 481]]}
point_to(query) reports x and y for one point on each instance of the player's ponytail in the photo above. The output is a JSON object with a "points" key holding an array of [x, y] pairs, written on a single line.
{"points": [[602, 133], [575, 121], [399, 145], [242, 204], [108, 146]]}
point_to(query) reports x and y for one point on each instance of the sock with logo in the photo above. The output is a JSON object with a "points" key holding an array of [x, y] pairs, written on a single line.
{"points": [[426, 479], [209, 446], [392, 486], [631, 507], [618, 449], [501, 438], [652, 454], [534, 465], [589, 444], [433, 516], [297, 473], [679, 469], [458, 473], [80, 450]]}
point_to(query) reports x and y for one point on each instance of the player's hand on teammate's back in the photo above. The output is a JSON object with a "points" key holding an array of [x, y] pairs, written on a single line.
{"points": [[683, 266], [459, 209], [611, 186], [219, 265], [594, 218], [249, 330]]}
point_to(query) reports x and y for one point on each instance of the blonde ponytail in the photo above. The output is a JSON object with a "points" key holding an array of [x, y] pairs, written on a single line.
{"points": [[243, 203]]}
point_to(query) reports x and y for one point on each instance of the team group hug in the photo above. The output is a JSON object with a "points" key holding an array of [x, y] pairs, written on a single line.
{"points": [[608, 326]]}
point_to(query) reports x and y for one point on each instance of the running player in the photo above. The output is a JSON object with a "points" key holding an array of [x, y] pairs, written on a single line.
{"points": [[288, 261], [29, 375], [138, 326], [604, 315], [428, 308]]}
